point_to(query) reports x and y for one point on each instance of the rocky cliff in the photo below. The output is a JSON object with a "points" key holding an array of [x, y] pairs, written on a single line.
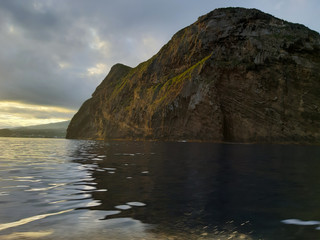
{"points": [[236, 75]]}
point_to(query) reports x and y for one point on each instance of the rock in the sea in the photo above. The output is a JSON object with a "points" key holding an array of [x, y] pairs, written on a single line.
{"points": [[236, 75]]}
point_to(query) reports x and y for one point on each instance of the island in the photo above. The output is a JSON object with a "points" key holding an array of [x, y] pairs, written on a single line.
{"points": [[235, 75]]}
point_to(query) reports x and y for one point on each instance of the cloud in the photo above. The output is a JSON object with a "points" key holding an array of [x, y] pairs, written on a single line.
{"points": [[13, 114], [97, 43], [99, 69]]}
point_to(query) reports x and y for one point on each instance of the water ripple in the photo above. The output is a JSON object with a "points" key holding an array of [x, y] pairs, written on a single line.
{"points": [[30, 219]]}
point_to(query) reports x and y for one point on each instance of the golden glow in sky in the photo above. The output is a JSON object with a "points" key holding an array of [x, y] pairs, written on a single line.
{"points": [[17, 114]]}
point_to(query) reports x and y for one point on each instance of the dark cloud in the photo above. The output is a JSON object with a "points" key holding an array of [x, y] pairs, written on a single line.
{"points": [[57, 52], [35, 20]]}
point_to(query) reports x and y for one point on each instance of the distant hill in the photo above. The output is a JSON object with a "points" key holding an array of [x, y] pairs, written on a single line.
{"points": [[57, 125], [51, 130]]}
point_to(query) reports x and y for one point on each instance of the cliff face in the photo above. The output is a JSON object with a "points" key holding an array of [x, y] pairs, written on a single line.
{"points": [[235, 75]]}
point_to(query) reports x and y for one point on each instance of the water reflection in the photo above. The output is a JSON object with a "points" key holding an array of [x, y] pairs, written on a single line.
{"points": [[153, 190], [207, 188]]}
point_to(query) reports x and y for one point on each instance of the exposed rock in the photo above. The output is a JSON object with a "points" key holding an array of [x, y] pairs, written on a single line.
{"points": [[235, 75]]}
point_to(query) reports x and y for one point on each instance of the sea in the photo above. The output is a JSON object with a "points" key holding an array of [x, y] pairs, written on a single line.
{"points": [[77, 189]]}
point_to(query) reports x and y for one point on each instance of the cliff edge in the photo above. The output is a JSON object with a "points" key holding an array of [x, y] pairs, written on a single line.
{"points": [[235, 75]]}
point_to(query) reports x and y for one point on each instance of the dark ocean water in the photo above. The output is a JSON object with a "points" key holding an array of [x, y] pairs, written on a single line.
{"points": [[71, 189]]}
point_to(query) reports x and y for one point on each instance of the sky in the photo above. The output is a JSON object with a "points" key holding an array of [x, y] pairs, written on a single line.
{"points": [[54, 53]]}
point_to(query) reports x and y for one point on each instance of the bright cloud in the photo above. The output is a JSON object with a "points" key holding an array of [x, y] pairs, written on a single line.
{"points": [[98, 69], [97, 43], [15, 114], [63, 65]]}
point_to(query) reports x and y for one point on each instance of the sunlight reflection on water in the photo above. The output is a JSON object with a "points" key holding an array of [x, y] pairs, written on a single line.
{"points": [[55, 182], [141, 190]]}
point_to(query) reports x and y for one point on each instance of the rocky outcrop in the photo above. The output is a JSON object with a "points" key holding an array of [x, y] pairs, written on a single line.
{"points": [[236, 75]]}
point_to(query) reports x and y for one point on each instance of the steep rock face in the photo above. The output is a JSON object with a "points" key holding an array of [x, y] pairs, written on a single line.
{"points": [[235, 75]]}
